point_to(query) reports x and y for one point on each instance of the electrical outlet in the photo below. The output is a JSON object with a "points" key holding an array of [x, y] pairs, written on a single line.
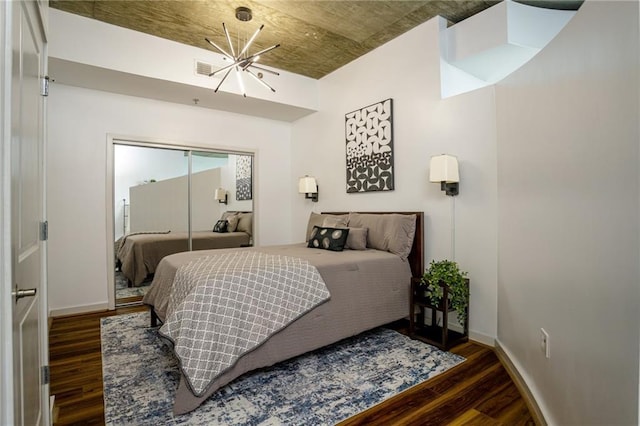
{"points": [[544, 343]]}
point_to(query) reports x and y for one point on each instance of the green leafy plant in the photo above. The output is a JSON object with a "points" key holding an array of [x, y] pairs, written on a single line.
{"points": [[447, 273]]}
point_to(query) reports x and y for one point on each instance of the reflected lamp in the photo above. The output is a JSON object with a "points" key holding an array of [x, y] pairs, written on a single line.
{"points": [[221, 196]]}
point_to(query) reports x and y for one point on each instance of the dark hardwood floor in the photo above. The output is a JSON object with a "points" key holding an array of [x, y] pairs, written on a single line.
{"points": [[477, 392], [75, 360]]}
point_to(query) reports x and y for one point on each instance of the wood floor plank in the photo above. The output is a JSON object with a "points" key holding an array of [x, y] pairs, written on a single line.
{"points": [[459, 398], [470, 368], [393, 409], [474, 417], [477, 392], [469, 349], [500, 400]]}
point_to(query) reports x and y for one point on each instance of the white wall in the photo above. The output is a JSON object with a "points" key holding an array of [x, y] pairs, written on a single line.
{"points": [[423, 125], [164, 205], [133, 165], [79, 122], [136, 165], [205, 211], [568, 218]]}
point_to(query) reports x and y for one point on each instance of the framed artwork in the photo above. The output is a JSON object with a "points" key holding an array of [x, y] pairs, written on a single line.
{"points": [[369, 148], [243, 177]]}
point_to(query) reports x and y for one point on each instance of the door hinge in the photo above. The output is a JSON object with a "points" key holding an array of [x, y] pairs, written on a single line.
{"points": [[44, 89], [45, 374], [44, 230]]}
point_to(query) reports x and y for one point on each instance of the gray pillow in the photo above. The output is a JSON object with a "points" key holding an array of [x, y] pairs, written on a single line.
{"points": [[232, 219], [317, 219], [388, 232], [357, 239], [331, 221], [244, 222], [225, 215]]}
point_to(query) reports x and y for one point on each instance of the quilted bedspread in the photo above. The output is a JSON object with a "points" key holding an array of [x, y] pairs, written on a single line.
{"points": [[223, 306]]}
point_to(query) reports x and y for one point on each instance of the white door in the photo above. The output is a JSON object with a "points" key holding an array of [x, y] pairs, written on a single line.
{"points": [[28, 304]]}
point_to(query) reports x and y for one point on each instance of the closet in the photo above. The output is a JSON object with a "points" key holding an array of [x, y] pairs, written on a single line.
{"points": [[161, 189]]}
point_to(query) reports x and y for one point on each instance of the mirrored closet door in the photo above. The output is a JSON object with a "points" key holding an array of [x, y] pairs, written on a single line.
{"points": [[167, 200]]}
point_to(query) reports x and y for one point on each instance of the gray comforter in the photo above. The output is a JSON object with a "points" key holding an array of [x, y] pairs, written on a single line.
{"points": [[224, 305]]}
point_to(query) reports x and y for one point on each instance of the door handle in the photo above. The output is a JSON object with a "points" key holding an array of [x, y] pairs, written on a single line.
{"points": [[19, 294]]}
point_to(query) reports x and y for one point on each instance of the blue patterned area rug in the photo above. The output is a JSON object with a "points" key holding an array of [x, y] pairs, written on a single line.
{"points": [[123, 291], [319, 388]]}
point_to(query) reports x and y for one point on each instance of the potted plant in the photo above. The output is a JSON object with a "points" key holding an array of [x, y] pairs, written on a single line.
{"points": [[446, 273]]}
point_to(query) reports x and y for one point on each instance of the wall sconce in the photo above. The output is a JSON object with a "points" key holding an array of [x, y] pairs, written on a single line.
{"points": [[221, 196], [444, 169], [309, 187]]}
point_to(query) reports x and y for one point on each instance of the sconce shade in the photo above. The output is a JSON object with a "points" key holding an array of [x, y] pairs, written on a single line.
{"points": [[444, 168], [220, 194], [307, 185]]}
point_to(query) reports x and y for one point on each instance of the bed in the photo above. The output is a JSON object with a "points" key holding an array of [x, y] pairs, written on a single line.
{"points": [[366, 287], [138, 254]]}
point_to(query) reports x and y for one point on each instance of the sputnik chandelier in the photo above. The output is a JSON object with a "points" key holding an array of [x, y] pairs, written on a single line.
{"points": [[243, 61]]}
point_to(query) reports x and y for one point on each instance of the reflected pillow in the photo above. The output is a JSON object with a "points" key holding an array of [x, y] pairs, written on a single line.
{"points": [[232, 223], [244, 222], [221, 226], [333, 239], [232, 218]]}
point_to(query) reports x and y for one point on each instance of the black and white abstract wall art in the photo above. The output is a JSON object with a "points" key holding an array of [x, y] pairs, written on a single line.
{"points": [[369, 138], [243, 177]]}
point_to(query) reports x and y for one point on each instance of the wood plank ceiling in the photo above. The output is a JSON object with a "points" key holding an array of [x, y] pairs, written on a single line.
{"points": [[316, 36]]}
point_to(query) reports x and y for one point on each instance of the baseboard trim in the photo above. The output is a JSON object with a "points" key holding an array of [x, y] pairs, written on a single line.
{"points": [[75, 310], [482, 338], [520, 383]]}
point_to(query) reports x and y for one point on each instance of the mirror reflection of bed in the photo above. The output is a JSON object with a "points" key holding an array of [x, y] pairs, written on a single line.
{"points": [[154, 217]]}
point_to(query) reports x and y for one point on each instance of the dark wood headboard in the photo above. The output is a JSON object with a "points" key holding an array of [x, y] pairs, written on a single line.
{"points": [[416, 256]]}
